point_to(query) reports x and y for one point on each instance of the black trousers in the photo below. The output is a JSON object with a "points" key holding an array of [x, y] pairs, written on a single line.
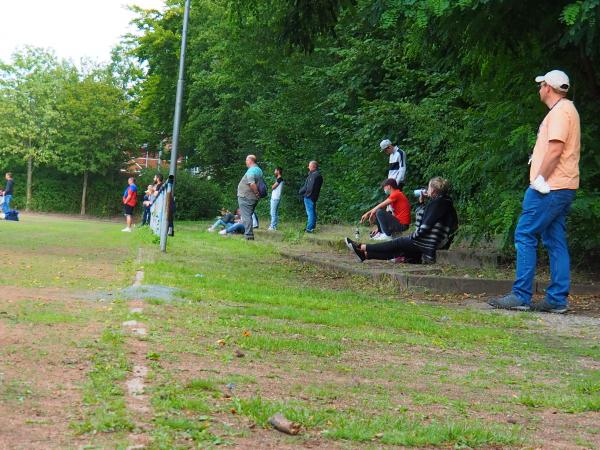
{"points": [[403, 246], [146, 216], [388, 224]]}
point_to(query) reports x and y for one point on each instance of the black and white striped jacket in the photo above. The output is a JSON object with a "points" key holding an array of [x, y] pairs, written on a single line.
{"points": [[436, 223]]}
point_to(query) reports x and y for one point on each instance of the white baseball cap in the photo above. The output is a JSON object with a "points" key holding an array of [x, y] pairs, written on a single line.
{"points": [[385, 144], [555, 78]]}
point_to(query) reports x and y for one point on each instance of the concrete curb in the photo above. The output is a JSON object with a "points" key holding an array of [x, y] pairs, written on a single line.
{"points": [[425, 277], [476, 259]]}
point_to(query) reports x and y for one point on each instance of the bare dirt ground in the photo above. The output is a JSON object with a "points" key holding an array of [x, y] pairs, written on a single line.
{"points": [[44, 362], [42, 370], [355, 381]]}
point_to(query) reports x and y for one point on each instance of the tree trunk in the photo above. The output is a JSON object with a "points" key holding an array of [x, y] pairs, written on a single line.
{"points": [[29, 176], [83, 195]]}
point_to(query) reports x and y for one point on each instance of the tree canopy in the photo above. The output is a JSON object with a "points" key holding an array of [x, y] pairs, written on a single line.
{"points": [[450, 82]]}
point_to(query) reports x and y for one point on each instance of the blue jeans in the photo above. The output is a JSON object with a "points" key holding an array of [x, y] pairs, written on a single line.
{"points": [[545, 215], [311, 214], [6, 204], [221, 223], [274, 216], [146, 216], [235, 228]]}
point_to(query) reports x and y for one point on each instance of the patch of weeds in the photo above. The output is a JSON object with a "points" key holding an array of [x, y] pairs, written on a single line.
{"points": [[200, 384], [326, 391], [102, 393], [153, 356], [581, 395], [14, 390], [182, 428], [387, 429], [42, 314], [183, 413], [394, 430], [260, 410], [172, 397], [154, 301], [292, 236], [278, 344], [585, 444], [429, 398]]}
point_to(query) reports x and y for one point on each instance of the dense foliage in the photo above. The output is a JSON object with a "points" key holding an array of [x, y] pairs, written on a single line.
{"points": [[451, 82], [293, 80]]}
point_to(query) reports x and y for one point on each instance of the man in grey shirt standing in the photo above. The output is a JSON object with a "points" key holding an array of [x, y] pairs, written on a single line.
{"points": [[248, 195]]}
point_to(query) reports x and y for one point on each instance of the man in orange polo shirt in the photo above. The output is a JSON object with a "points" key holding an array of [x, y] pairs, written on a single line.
{"points": [[554, 177]]}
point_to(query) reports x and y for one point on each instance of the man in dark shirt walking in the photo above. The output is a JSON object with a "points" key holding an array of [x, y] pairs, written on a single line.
{"points": [[310, 192], [8, 192]]}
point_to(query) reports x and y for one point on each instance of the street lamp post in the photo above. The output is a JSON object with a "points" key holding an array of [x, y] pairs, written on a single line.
{"points": [[164, 225]]}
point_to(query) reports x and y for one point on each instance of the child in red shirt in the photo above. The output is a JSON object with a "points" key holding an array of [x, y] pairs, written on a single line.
{"points": [[389, 222]]}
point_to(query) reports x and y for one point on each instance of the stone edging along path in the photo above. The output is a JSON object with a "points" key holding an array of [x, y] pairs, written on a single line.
{"points": [[417, 276], [136, 399]]}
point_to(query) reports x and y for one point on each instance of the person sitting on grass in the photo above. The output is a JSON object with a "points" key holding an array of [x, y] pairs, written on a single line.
{"points": [[227, 218], [436, 224], [234, 228], [390, 222]]}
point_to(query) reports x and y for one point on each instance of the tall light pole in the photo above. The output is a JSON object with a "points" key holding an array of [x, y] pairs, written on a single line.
{"points": [[164, 224]]}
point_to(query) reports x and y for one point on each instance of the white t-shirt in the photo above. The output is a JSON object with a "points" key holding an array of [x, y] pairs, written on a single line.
{"points": [[276, 193], [397, 167]]}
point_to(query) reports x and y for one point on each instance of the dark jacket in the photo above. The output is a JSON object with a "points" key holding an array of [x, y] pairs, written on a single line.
{"points": [[312, 186], [8, 190], [436, 224]]}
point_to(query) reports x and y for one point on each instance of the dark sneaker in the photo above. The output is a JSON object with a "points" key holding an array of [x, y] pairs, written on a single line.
{"points": [[349, 242], [509, 301], [426, 259], [544, 306], [355, 247]]}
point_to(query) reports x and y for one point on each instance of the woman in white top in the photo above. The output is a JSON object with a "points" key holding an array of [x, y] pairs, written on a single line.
{"points": [[276, 197]]}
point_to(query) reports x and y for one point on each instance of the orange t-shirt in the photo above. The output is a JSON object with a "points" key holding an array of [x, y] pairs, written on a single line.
{"points": [[400, 206], [560, 124]]}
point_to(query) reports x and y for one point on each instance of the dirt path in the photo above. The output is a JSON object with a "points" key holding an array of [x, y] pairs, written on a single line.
{"points": [[137, 400], [43, 365]]}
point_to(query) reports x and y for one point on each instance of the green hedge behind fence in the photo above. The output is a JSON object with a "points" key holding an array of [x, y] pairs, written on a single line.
{"points": [[58, 193]]}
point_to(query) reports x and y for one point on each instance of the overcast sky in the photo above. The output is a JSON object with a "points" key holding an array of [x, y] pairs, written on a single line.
{"points": [[72, 28]]}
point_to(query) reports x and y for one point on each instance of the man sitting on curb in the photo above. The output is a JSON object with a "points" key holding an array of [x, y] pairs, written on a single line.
{"points": [[395, 221]]}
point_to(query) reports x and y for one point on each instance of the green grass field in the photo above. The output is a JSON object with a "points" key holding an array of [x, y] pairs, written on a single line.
{"points": [[356, 364]]}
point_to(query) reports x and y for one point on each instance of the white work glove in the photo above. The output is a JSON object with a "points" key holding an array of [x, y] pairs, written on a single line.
{"points": [[540, 185]]}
